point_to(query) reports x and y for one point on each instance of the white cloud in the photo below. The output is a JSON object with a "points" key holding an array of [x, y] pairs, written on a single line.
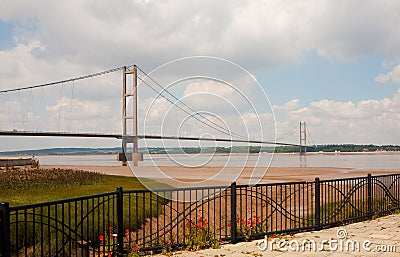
{"points": [[366, 121], [291, 105], [57, 40], [255, 34], [392, 76]]}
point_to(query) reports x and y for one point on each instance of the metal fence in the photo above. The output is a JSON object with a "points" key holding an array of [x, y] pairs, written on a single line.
{"points": [[152, 220]]}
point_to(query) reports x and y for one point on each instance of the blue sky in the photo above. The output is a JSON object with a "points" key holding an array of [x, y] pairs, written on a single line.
{"points": [[6, 36], [316, 78], [333, 64]]}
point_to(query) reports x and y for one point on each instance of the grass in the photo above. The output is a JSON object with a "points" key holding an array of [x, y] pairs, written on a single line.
{"points": [[341, 211], [20, 187]]}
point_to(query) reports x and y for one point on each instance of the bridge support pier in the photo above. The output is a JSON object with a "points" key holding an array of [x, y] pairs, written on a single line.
{"points": [[303, 138], [126, 156]]}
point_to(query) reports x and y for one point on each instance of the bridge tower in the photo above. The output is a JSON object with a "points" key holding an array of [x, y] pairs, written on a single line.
{"points": [[303, 137], [128, 138]]}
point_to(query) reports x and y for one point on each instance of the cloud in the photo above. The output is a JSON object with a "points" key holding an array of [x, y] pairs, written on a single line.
{"points": [[366, 121], [392, 76], [58, 40], [291, 105], [255, 34]]}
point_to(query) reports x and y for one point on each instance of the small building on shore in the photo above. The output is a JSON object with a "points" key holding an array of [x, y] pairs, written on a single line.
{"points": [[12, 163]]}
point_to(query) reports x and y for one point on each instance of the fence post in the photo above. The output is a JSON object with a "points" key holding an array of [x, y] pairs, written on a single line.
{"points": [[369, 195], [233, 213], [120, 220], [317, 201], [5, 230]]}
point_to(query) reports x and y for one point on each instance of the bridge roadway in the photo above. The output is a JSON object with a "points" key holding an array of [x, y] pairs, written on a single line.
{"points": [[130, 138]]}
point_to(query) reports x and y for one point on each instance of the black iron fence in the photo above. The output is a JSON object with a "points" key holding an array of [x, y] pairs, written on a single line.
{"points": [[143, 220]]}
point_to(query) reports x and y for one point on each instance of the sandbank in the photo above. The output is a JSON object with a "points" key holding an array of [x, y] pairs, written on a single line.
{"points": [[208, 176]]}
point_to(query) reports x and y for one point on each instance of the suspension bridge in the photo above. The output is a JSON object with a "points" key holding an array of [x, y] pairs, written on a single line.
{"points": [[71, 106]]}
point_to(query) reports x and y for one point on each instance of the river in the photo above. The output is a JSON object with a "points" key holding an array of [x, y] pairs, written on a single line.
{"points": [[384, 161]]}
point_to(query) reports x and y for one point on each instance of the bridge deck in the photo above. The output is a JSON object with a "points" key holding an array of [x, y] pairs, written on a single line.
{"points": [[130, 138]]}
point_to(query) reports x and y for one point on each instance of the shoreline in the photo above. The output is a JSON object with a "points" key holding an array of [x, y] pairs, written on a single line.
{"points": [[219, 154], [211, 176]]}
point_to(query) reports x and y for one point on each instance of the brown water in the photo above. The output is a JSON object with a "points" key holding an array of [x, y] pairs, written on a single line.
{"points": [[389, 161]]}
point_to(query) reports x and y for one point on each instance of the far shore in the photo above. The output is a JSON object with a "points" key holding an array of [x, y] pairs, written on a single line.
{"points": [[212, 176]]}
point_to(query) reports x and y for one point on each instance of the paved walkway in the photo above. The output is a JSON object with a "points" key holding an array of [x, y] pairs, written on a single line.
{"points": [[379, 237]]}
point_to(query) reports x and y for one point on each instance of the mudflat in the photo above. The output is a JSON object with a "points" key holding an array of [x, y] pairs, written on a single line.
{"points": [[211, 176]]}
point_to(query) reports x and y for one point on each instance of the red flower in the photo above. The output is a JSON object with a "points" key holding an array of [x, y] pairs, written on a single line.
{"points": [[188, 224], [127, 230], [200, 219], [109, 254], [202, 227], [272, 236], [110, 228], [222, 227], [135, 248], [101, 237], [259, 222], [229, 224], [255, 216]]}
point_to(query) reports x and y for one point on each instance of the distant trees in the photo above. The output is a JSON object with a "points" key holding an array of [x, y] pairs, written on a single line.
{"points": [[340, 148]]}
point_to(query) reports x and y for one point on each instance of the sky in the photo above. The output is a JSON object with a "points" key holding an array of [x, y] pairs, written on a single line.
{"points": [[333, 64]]}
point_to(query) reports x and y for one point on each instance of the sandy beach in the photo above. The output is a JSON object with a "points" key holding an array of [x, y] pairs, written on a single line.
{"points": [[203, 176]]}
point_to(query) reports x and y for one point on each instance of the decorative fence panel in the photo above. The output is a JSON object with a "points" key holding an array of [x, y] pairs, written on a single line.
{"points": [[153, 220]]}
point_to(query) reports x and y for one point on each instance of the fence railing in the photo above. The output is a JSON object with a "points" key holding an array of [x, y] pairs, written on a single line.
{"points": [[152, 220]]}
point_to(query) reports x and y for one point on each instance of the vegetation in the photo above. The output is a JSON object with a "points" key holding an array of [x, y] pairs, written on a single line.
{"points": [[20, 187], [196, 150], [343, 210], [334, 148], [199, 235]]}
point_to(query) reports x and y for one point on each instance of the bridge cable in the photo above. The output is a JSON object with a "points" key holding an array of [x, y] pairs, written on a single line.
{"points": [[173, 103], [186, 105], [59, 108], [309, 133], [22, 112], [230, 133], [67, 80], [33, 109], [70, 105], [288, 134]]}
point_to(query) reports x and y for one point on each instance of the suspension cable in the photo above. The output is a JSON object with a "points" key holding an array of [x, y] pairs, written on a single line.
{"points": [[309, 133], [287, 134], [191, 114], [67, 80], [230, 133]]}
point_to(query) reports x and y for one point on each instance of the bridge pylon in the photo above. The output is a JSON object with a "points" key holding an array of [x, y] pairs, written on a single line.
{"points": [[303, 138], [127, 138]]}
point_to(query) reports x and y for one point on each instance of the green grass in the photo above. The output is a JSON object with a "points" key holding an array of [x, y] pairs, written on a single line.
{"points": [[28, 187], [341, 211], [21, 187]]}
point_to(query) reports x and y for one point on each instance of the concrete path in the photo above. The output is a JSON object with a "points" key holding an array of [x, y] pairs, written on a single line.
{"points": [[379, 237]]}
